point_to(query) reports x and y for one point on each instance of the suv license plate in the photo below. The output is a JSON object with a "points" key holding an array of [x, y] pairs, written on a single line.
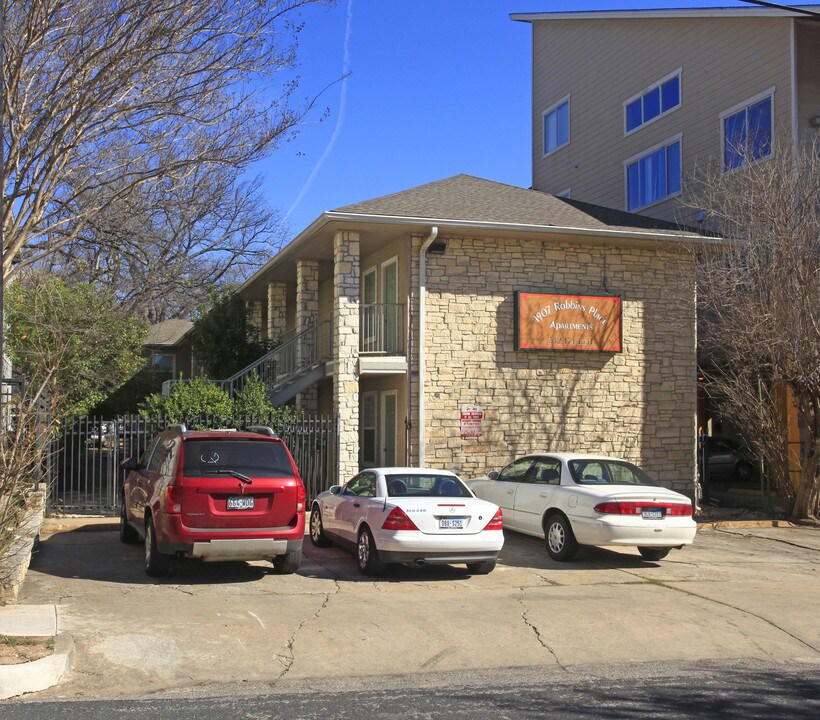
{"points": [[652, 513], [240, 502], [451, 523]]}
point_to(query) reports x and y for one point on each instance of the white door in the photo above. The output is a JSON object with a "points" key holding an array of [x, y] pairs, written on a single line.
{"points": [[370, 312], [388, 429], [369, 429], [533, 496], [390, 298]]}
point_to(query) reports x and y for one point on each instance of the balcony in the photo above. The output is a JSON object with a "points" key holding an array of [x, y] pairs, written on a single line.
{"points": [[382, 338]]}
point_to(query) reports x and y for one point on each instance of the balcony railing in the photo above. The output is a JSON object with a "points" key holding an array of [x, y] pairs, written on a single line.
{"points": [[381, 329]]}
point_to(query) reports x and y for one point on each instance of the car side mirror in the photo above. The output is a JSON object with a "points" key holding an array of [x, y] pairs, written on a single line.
{"points": [[335, 489], [130, 464], [493, 475]]}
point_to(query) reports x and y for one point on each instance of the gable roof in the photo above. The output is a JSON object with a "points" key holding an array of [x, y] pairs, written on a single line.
{"points": [[469, 200], [168, 332]]}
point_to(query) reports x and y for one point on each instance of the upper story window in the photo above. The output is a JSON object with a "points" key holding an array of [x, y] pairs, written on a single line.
{"points": [[556, 126], [656, 100], [653, 176], [162, 362], [747, 131]]}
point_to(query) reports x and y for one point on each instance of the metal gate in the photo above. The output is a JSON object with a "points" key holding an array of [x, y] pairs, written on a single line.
{"points": [[87, 451]]}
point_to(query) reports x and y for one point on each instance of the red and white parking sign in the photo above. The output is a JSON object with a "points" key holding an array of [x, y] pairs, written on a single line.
{"points": [[471, 417]]}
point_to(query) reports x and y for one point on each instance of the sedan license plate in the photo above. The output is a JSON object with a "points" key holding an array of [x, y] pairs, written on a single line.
{"points": [[652, 513], [240, 502], [451, 523]]}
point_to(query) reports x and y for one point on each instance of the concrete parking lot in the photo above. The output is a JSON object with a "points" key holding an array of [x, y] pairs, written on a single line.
{"points": [[737, 593]]}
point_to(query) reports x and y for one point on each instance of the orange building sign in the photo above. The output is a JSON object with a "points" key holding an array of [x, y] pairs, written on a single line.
{"points": [[546, 321]]}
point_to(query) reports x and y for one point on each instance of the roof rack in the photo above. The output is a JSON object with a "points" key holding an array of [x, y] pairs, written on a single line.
{"points": [[179, 427], [262, 430]]}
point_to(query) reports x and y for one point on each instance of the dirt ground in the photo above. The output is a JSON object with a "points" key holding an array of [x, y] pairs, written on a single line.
{"points": [[14, 650]]}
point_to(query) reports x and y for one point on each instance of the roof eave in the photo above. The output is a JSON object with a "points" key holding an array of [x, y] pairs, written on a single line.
{"points": [[657, 13], [513, 227]]}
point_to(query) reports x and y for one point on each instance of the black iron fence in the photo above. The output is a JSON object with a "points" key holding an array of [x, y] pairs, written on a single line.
{"points": [[86, 453]]}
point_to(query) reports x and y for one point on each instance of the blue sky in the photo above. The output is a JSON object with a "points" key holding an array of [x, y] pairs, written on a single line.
{"points": [[435, 88]]}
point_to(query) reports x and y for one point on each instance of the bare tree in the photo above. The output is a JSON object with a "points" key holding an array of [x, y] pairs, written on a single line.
{"points": [[759, 303], [164, 245], [107, 100]]}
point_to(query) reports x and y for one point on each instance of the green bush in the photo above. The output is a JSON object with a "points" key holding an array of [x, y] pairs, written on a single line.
{"points": [[197, 399]]}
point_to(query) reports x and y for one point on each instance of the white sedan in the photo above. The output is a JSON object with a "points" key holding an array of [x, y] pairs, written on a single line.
{"points": [[572, 499], [413, 516]]}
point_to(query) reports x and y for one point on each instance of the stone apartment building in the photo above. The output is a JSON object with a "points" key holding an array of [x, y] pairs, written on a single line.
{"points": [[417, 317]]}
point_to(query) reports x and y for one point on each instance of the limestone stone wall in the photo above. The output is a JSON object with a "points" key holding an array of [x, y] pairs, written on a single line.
{"points": [[639, 404]]}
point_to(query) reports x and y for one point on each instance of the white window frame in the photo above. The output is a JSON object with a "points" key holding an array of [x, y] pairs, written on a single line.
{"points": [[551, 109], [162, 353], [649, 88], [368, 340], [736, 109], [664, 144]]}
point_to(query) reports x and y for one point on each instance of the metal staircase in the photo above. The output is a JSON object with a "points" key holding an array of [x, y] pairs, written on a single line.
{"points": [[291, 367]]}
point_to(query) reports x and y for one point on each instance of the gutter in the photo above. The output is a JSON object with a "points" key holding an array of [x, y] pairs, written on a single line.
{"points": [[422, 345]]}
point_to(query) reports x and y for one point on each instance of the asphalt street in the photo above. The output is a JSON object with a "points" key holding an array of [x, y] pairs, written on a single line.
{"points": [[237, 629]]}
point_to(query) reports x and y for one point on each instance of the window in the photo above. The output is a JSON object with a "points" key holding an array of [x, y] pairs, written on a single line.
{"points": [[363, 485], [556, 126], [657, 100], [654, 176], [162, 363], [747, 132]]}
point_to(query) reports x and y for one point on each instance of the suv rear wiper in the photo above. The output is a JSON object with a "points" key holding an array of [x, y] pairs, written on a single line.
{"points": [[238, 475]]}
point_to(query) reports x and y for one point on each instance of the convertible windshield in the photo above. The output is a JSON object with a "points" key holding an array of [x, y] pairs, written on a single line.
{"points": [[412, 485], [608, 472], [249, 458]]}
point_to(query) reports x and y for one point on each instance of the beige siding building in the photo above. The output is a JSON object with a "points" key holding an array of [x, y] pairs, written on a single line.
{"points": [[626, 104]]}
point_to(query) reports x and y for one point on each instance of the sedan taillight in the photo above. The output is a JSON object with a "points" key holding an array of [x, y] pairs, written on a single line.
{"points": [[398, 520], [497, 523], [637, 508]]}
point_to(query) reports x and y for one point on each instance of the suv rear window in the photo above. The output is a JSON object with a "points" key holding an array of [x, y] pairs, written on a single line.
{"points": [[254, 458]]}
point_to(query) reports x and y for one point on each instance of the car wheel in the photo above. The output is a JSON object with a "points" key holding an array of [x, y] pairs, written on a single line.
{"points": [[288, 563], [317, 530], [743, 472], [561, 543], [157, 564], [367, 555], [481, 568], [653, 553], [127, 534]]}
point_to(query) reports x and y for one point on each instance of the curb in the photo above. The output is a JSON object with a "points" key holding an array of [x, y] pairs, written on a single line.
{"points": [[37, 674], [724, 524], [95, 524]]}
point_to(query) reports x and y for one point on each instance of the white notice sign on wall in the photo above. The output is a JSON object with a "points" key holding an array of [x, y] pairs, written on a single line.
{"points": [[471, 418]]}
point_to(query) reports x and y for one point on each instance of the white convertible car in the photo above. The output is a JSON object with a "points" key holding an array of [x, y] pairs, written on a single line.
{"points": [[572, 499], [413, 516]]}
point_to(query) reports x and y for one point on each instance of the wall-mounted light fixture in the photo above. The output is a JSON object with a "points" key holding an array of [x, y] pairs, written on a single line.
{"points": [[437, 248]]}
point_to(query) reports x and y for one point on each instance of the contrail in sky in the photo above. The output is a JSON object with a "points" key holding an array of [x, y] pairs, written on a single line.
{"points": [[339, 120]]}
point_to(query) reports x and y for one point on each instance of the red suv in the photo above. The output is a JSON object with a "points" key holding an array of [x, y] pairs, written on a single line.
{"points": [[214, 495]]}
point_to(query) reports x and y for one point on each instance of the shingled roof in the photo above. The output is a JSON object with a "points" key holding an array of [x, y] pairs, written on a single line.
{"points": [[469, 199]]}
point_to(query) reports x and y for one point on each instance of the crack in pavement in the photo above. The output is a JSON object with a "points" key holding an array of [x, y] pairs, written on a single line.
{"points": [[736, 533], [522, 599], [771, 623], [288, 659]]}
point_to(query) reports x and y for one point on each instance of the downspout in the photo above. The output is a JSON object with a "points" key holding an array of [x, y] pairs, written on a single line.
{"points": [[422, 345]]}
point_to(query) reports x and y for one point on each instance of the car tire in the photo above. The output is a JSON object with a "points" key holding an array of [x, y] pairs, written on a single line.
{"points": [[561, 542], [485, 567], [157, 564], [648, 553], [288, 563], [317, 530], [367, 556], [743, 472], [128, 535]]}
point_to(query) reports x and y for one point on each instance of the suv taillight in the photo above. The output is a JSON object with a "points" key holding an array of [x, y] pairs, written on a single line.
{"points": [[173, 499], [301, 498], [398, 520], [497, 523]]}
